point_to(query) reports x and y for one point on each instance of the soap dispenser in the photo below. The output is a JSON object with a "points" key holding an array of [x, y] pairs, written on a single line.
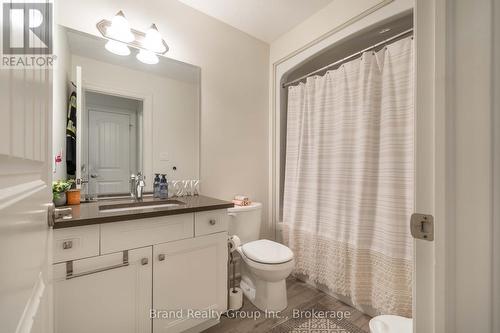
{"points": [[156, 186], [163, 187]]}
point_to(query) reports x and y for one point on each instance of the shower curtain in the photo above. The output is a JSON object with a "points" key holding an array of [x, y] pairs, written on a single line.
{"points": [[349, 171]]}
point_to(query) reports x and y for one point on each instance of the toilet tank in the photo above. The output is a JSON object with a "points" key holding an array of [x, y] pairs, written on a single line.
{"points": [[245, 221]]}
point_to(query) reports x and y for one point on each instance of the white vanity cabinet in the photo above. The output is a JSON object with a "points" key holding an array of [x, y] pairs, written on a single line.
{"points": [[161, 263], [189, 275], [109, 293]]}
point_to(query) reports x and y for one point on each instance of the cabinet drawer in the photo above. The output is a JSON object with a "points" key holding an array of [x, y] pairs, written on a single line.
{"points": [[210, 222], [76, 243], [126, 235]]}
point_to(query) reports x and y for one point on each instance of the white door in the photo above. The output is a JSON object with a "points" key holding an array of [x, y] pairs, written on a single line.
{"points": [[109, 150], [189, 274], [115, 300], [25, 191]]}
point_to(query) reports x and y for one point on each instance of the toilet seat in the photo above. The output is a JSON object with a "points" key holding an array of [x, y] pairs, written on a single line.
{"points": [[391, 324], [265, 251]]}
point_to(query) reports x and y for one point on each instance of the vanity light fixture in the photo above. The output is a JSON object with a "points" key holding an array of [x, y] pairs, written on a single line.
{"points": [[153, 40], [117, 48], [120, 29], [147, 57], [120, 37]]}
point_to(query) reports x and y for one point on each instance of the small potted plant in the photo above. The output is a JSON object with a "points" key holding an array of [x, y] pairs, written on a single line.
{"points": [[59, 189]]}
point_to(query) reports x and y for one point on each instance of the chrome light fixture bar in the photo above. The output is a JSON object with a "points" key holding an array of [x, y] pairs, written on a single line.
{"points": [[139, 41]]}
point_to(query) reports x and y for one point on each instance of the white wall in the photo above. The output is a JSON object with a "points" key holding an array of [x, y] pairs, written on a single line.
{"points": [[473, 109], [175, 112], [234, 89], [61, 93]]}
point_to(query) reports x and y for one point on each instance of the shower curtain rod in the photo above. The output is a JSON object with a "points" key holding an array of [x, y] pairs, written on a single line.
{"points": [[348, 57]]}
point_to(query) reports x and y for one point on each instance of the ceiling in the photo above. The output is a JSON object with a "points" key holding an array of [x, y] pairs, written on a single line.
{"points": [[264, 19]]}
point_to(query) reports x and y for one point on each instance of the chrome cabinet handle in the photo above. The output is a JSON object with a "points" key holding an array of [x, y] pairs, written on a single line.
{"points": [[144, 261], [212, 222], [69, 268], [161, 257], [67, 245]]}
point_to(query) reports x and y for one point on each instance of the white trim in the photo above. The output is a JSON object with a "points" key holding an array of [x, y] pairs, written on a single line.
{"points": [[197, 140], [496, 167], [426, 142]]}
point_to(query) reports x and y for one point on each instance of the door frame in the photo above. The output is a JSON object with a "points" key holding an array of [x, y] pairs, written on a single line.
{"points": [[146, 142], [434, 282], [496, 168]]}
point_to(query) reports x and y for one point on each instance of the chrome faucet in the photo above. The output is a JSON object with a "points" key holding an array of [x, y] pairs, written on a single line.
{"points": [[137, 185]]}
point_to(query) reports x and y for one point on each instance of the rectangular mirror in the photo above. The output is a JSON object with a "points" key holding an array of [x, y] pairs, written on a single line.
{"points": [[130, 116]]}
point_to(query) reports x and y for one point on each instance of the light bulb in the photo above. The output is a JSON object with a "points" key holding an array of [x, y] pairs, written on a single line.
{"points": [[147, 57], [117, 48], [153, 40], [120, 28]]}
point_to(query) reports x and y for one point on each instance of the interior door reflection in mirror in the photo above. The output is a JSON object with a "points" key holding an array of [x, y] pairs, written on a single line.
{"points": [[130, 117], [112, 135]]}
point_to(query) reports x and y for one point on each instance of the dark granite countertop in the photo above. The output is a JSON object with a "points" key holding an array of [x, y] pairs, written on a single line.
{"points": [[89, 213]]}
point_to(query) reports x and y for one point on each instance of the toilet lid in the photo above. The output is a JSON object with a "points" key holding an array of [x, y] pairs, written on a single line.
{"points": [[391, 324], [267, 252]]}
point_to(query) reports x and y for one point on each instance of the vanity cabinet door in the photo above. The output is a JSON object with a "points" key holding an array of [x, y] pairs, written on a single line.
{"points": [[112, 298], [189, 275]]}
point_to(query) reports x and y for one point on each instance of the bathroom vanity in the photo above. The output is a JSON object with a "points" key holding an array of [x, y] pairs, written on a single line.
{"points": [[114, 267]]}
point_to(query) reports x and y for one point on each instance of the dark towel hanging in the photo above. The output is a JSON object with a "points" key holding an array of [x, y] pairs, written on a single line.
{"points": [[71, 136]]}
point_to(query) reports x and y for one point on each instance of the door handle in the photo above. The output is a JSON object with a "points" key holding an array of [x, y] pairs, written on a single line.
{"points": [[161, 257], [54, 213]]}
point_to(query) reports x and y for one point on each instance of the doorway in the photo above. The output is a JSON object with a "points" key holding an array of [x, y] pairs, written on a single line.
{"points": [[113, 137]]}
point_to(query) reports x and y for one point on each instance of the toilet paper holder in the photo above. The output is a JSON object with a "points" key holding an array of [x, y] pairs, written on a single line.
{"points": [[235, 296]]}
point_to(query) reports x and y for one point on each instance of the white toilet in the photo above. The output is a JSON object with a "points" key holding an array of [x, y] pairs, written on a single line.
{"points": [[391, 324], [266, 264]]}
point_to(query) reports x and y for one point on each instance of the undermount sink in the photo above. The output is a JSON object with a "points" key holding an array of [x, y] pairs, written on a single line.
{"points": [[110, 197], [140, 205]]}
